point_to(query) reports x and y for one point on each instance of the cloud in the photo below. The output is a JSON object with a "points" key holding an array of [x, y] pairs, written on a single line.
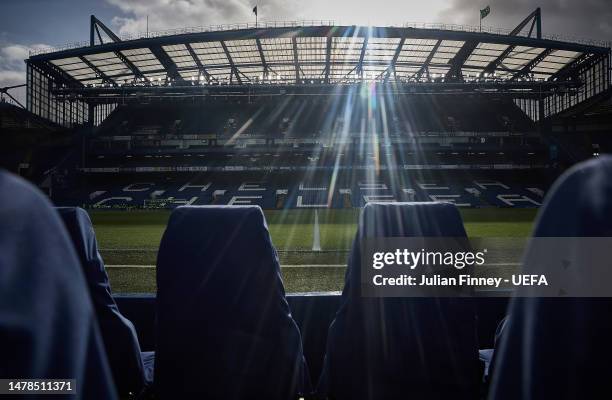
{"points": [[13, 77], [585, 19], [573, 19], [15, 52], [12, 66], [166, 14]]}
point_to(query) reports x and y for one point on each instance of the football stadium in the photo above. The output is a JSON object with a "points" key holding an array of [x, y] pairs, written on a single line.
{"points": [[190, 213]]}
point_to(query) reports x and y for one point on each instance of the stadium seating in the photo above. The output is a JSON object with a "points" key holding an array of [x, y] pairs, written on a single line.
{"points": [[313, 312], [300, 117], [224, 326], [129, 191], [132, 369], [560, 347], [401, 347], [47, 322]]}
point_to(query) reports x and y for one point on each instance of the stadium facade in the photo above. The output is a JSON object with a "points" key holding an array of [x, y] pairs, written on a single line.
{"points": [[314, 114]]}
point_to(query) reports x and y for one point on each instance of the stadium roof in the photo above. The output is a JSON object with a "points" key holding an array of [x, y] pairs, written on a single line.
{"points": [[325, 53]]}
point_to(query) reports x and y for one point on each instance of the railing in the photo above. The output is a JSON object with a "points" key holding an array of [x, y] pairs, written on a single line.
{"points": [[228, 27], [308, 23], [193, 29], [502, 31]]}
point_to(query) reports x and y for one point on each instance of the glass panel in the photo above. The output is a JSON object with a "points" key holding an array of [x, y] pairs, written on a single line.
{"points": [[278, 50], [210, 53]]}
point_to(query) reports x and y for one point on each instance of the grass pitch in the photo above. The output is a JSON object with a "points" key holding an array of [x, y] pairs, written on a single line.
{"points": [[130, 239]]}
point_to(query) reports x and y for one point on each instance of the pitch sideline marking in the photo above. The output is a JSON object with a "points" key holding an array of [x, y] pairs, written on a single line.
{"points": [[297, 265], [282, 266], [316, 235]]}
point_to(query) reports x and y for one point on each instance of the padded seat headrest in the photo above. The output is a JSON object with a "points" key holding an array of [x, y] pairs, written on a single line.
{"points": [[47, 323], [430, 219], [208, 251], [580, 203], [83, 237], [120, 338]]}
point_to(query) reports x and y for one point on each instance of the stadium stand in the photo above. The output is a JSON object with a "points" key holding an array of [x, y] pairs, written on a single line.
{"points": [[147, 125], [191, 142], [31, 145], [500, 188], [48, 328], [224, 326], [132, 369]]}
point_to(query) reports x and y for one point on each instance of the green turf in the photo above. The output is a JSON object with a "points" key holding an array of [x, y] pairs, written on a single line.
{"points": [[132, 238]]}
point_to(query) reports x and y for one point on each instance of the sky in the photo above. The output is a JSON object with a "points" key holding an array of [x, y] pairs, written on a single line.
{"points": [[31, 24]]}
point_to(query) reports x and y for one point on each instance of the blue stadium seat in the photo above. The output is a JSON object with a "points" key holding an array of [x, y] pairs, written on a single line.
{"points": [[380, 348], [47, 322], [224, 326], [560, 348], [132, 369]]}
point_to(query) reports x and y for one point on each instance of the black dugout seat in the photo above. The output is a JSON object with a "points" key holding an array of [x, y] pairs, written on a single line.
{"points": [[387, 348], [132, 369], [555, 347], [47, 323], [224, 326]]}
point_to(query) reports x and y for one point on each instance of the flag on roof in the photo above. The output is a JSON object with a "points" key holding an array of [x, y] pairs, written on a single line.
{"points": [[483, 13]]}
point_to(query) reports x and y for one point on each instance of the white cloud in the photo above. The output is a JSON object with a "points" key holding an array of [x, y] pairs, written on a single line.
{"points": [[12, 66], [165, 14], [8, 78], [587, 18], [15, 52]]}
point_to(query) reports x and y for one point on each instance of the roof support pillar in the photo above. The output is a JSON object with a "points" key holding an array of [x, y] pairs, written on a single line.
{"points": [[231, 62], [455, 73], [295, 60], [391, 66], [94, 26], [197, 61], [328, 58], [425, 67]]}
